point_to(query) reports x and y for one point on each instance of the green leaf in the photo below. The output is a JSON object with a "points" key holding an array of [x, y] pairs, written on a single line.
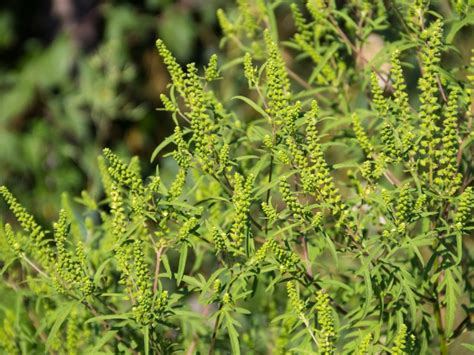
{"points": [[252, 104], [233, 335], [451, 298], [161, 146], [468, 346], [99, 271], [456, 27], [125, 316], [183, 255], [61, 314], [103, 339]]}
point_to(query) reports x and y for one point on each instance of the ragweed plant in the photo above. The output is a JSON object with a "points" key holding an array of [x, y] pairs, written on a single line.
{"points": [[323, 205]]}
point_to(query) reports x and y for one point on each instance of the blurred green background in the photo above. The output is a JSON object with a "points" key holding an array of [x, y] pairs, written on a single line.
{"points": [[79, 75]]}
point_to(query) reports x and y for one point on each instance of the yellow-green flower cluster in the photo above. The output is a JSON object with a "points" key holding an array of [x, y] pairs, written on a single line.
{"points": [[7, 334], [401, 107], [176, 187], [261, 253], [305, 40], [361, 135], [323, 180], [211, 72], [219, 240], [428, 112], [241, 200], [415, 14], [175, 70], [224, 153], [217, 287], [123, 174], [379, 101], [119, 221], [201, 123], [250, 71], [317, 9], [11, 240], [278, 85], [269, 211], [404, 205], [388, 139], [160, 304], [167, 103], [463, 214], [105, 177], [122, 250], [420, 204], [248, 18], [448, 177], [289, 120], [303, 28], [181, 154], [72, 270], [296, 303], [364, 346], [400, 346], [301, 163], [72, 333], [28, 223], [295, 207], [227, 27], [154, 184], [143, 309], [326, 333], [191, 89], [383, 110], [287, 259], [187, 228], [183, 158]]}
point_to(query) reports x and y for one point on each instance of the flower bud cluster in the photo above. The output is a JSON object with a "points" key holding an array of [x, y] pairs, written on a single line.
{"points": [[400, 346], [401, 106], [40, 250], [278, 84], [364, 346], [250, 71], [7, 334], [168, 104], [123, 174], [448, 177], [428, 112], [143, 309], [72, 270], [361, 135], [187, 228], [404, 207], [269, 211], [296, 303], [11, 240], [463, 214], [327, 332], [219, 240], [323, 180], [241, 201], [287, 259], [211, 72], [295, 207]]}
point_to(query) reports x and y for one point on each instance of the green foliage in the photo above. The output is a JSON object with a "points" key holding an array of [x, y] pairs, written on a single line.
{"points": [[321, 206]]}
